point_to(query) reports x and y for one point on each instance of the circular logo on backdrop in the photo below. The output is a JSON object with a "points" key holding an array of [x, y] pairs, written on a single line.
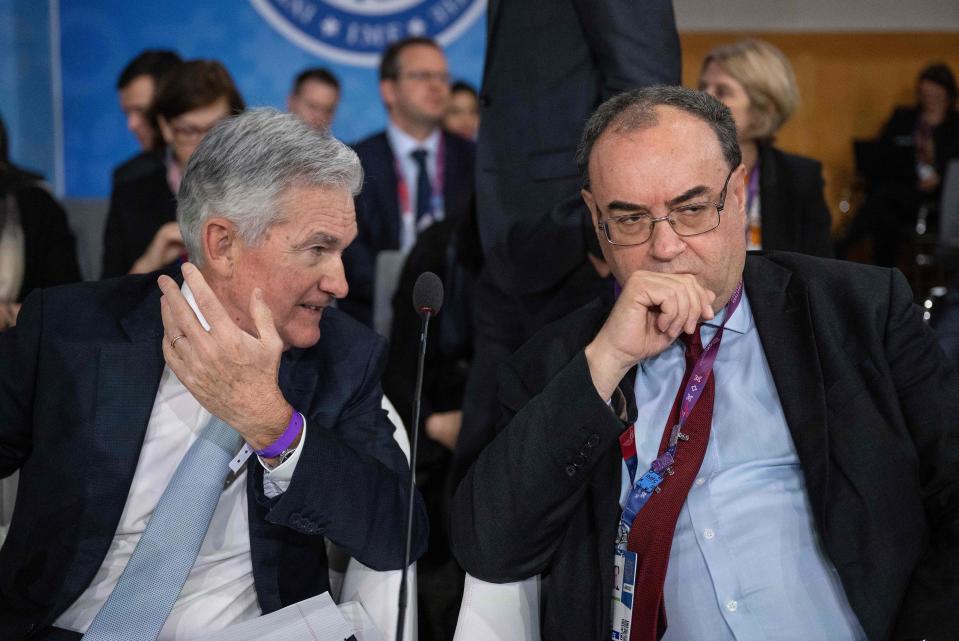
{"points": [[356, 31]]}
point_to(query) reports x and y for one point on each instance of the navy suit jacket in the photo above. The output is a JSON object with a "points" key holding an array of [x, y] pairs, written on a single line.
{"points": [[139, 206], [78, 379], [378, 211], [870, 402]]}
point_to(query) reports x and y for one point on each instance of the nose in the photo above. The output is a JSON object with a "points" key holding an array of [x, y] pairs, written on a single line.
{"points": [[333, 282], [665, 244]]}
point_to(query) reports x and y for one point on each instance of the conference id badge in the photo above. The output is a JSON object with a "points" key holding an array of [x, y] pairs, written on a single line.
{"points": [[624, 585]]}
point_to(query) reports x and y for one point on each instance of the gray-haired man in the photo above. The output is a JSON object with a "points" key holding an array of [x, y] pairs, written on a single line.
{"points": [[107, 394]]}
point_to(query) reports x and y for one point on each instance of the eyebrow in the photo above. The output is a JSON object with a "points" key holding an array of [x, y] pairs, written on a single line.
{"points": [[318, 238], [626, 206]]}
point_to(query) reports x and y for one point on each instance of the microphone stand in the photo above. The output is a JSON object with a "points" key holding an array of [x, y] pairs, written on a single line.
{"points": [[425, 313]]}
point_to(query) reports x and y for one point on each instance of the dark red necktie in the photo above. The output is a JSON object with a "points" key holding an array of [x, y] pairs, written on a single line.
{"points": [[651, 535]]}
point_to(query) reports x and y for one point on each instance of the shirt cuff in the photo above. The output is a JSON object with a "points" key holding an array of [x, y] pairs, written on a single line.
{"points": [[277, 480]]}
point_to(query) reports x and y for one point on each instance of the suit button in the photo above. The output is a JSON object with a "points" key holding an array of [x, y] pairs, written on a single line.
{"points": [[570, 470], [579, 460]]}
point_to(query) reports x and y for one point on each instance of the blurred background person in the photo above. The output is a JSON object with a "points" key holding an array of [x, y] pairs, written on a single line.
{"points": [[784, 196], [136, 88], [462, 113], [37, 247], [548, 65], [141, 233], [415, 173], [314, 97], [929, 132], [451, 249]]}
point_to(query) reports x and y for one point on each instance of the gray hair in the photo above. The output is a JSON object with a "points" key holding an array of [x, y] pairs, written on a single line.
{"points": [[636, 109], [246, 163]]}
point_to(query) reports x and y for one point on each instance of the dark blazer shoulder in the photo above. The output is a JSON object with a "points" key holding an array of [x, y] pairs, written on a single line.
{"points": [[137, 166], [552, 347], [374, 145]]}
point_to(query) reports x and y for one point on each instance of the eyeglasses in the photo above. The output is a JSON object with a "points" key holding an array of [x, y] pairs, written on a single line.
{"points": [[686, 220], [191, 132], [442, 77]]}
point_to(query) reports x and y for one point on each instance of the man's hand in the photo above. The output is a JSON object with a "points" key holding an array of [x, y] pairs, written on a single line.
{"points": [[444, 427], [8, 315], [231, 373], [166, 246], [651, 312]]}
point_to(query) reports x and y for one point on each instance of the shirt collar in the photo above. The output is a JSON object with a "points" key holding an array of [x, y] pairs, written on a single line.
{"points": [[188, 295], [740, 322], [403, 144]]}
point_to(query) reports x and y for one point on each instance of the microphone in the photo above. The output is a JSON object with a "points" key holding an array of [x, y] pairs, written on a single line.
{"points": [[428, 294], [427, 301]]}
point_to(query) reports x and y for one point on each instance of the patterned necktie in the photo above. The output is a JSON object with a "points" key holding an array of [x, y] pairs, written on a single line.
{"points": [[161, 562], [651, 536], [424, 189]]}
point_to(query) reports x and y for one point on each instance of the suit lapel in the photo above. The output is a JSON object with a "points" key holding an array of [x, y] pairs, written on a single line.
{"points": [[780, 307], [128, 377], [385, 169]]}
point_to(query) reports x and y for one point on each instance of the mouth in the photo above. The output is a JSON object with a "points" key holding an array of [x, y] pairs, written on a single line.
{"points": [[316, 309]]}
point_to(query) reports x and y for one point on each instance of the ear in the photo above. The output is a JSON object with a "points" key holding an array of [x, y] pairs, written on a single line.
{"points": [[289, 102], [220, 243], [166, 129], [737, 188], [591, 205], [388, 92]]}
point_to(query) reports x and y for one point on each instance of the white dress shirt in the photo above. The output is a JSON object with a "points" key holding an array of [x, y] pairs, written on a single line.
{"points": [[219, 590], [403, 145]]}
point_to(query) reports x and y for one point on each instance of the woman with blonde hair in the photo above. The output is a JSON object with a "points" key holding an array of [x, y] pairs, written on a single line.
{"points": [[785, 204]]}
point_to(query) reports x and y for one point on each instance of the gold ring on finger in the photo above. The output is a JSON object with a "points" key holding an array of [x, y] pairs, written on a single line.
{"points": [[175, 339]]}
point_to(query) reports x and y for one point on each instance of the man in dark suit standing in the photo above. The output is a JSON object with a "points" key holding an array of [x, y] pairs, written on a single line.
{"points": [[743, 447], [548, 66], [124, 407], [415, 172]]}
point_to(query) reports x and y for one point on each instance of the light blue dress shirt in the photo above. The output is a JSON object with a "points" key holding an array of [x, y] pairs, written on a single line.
{"points": [[746, 562], [403, 146]]}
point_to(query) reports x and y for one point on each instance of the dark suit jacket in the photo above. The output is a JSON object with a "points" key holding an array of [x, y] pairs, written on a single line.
{"points": [[378, 211], [78, 378], [138, 208], [49, 250], [794, 213], [548, 66], [870, 403], [137, 166]]}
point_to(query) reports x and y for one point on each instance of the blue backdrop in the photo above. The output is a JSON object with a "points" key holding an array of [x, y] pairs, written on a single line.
{"points": [[99, 37]]}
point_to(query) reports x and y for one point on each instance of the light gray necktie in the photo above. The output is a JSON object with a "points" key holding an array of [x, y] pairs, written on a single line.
{"points": [[161, 562]]}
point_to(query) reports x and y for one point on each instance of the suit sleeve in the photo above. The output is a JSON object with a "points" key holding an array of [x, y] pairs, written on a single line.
{"points": [[19, 350], [351, 484], [635, 44], [926, 382], [513, 507]]}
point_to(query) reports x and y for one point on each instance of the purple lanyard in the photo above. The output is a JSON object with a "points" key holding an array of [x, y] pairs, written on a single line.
{"points": [[752, 189], [644, 486]]}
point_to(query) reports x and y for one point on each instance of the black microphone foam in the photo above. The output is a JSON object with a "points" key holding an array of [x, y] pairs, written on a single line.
{"points": [[428, 294]]}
